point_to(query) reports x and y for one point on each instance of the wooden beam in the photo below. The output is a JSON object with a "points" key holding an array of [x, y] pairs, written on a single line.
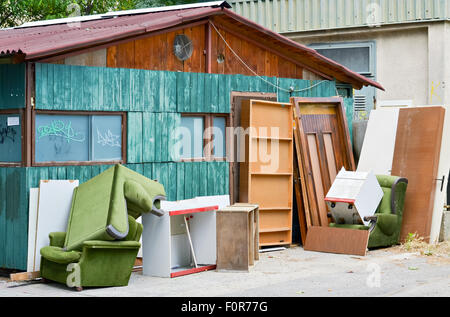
{"points": [[30, 97], [208, 48], [24, 276]]}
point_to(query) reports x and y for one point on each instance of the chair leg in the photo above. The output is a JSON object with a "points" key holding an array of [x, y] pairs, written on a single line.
{"points": [[79, 288]]}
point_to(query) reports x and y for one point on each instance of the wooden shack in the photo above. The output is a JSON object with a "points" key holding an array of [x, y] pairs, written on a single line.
{"points": [[127, 80]]}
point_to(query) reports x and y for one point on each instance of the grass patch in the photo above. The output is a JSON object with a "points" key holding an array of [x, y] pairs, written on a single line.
{"points": [[414, 243]]}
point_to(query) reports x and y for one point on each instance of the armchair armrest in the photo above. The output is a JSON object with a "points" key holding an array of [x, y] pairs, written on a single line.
{"points": [[98, 244], [386, 222], [57, 239]]}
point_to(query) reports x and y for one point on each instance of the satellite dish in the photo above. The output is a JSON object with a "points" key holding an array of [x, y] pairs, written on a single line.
{"points": [[182, 47]]}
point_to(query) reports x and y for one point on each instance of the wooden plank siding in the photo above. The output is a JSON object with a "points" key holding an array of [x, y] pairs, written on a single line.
{"points": [[154, 101], [198, 179], [156, 53], [68, 87]]}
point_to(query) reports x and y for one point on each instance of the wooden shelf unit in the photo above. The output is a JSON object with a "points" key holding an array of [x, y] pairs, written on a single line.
{"points": [[266, 175]]}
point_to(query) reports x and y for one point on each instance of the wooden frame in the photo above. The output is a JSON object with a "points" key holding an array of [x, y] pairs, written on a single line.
{"points": [[312, 211], [237, 237], [208, 121], [20, 112], [85, 113], [271, 188], [230, 143]]}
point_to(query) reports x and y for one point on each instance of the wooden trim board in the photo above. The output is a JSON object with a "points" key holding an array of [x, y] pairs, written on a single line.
{"points": [[337, 240], [24, 276]]}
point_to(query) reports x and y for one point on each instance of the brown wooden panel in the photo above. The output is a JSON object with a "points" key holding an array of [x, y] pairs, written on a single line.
{"points": [[324, 148], [275, 238], [303, 214], [111, 53], [125, 55], [173, 63], [232, 241], [155, 52], [416, 157], [279, 149], [337, 240]]}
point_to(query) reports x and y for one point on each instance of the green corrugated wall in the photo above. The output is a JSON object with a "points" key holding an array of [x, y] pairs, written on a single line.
{"points": [[12, 86], [154, 101]]}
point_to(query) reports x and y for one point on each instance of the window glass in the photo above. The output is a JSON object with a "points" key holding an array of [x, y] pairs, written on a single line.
{"points": [[106, 138], [355, 58], [219, 134], [10, 138], [192, 137], [62, 138]]}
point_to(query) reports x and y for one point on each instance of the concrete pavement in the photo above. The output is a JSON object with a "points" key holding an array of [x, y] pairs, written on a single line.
{"points": [[289, 273]]}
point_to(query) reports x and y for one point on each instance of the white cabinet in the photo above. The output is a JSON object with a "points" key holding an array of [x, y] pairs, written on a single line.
{"points": [[183, 240]]}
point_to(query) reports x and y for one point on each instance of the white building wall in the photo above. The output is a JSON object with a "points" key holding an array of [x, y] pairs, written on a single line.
{"points": [[402, 58]]}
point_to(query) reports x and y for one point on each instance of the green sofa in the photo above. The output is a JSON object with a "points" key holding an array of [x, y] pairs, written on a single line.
{"points": [[386, 224], [102, 238]]}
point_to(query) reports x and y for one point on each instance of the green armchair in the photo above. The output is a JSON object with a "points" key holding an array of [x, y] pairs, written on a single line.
{"points": [[386, 224], [102, 238]]}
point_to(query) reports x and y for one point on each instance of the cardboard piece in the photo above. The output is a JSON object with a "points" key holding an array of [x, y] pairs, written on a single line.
{"points": [[32, 212], [378, 147], [51, 215], [353, 196]]}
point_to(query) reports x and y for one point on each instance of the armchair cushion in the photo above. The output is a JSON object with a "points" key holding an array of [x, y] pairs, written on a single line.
{"points": [[385, 205], [58, 255], [98, 244]]}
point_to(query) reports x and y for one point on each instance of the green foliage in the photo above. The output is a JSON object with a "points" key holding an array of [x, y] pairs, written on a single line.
{"points": [[17, 12], [162, 3]]}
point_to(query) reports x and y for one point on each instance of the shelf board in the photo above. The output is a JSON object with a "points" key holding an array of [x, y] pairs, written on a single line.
{"points": [[270, 174], [274, 244], [275, 209], [271, 138], [274, 229]]}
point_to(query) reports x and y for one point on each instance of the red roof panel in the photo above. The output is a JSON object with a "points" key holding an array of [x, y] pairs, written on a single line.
{"points": [[41, 41]]}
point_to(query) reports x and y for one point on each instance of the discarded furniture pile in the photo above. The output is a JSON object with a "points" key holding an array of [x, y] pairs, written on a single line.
{"points": [[300, 149], [395, 189], [102, 237]]}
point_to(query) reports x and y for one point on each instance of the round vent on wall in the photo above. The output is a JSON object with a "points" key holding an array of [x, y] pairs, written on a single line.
{"points": [[182, 47]]}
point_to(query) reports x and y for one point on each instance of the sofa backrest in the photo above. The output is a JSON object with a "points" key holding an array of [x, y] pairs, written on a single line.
{"points": [[100, 210]]}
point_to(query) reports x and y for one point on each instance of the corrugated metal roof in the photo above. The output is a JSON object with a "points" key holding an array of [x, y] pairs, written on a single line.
{"points": [[112, 14], [284, 16], [50, 40], [39, 41]]}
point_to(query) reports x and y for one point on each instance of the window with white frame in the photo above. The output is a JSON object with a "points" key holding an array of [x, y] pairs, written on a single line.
{"points": [[360, 57]]}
